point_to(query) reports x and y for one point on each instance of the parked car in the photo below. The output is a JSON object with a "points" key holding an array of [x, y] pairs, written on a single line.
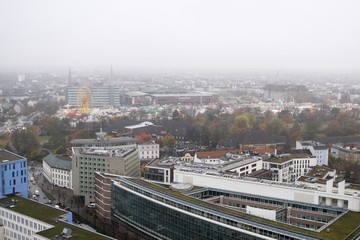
{"points": [[92, 205], [37, 193]]}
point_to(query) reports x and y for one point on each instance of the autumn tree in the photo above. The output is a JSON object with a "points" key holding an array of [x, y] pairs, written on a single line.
{"points": [[167, 140]]}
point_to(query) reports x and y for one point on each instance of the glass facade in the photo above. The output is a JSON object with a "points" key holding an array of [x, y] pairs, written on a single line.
{"points": [[165, 222], [166, 217]]}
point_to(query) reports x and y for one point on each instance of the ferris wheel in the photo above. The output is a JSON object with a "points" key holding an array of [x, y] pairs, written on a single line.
{"points": [[83, 100]]}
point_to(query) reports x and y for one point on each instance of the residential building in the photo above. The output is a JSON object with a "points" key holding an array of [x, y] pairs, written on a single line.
{"points": [[57, 170], [289, 167], [156, 212], [13, 174], [255, 140], [319, 150], [346, 152], [86, 161], [26, 219], [148, 150]]}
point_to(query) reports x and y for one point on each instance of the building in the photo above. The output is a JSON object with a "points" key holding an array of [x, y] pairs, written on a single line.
{"points": [[86, 161], [13, 174], [285, 93], [319, 150], [156, 212], [349, 153], [148, 150], [103, 183], [126, 142], [289, 167], [26, 219], [216, 163], [57, 170], [100, 96], [343, 197], [161, 170]]}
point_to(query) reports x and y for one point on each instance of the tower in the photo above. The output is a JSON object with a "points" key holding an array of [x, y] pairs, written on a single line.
{"points": [[69, 78]]}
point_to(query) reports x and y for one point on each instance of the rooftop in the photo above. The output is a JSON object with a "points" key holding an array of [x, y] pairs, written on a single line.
{"points": [[36, 210], [60, 162], [285, 158], [6, 155], [336, 231], [106, 140]]}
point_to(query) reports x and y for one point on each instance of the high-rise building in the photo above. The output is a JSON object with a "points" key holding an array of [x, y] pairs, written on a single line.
{"points": [[85, 162], [101, 96], [13, 174]]}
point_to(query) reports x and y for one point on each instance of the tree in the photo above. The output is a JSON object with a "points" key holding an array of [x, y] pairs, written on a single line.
{"points": [[167, 140]]}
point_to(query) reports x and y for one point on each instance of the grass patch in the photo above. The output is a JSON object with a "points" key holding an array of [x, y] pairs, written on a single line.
{"points": [[43, 139], [343, 226]]}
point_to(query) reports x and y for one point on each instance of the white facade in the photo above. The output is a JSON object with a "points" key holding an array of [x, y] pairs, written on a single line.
{"points": [[20, 226], [57, 176], [289, 170], [245, 167], [318, 150], [343, 198], [149, 150]]}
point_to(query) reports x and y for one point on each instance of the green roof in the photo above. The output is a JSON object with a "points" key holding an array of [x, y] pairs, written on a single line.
{"points": [[348, 218], [49, 215]]}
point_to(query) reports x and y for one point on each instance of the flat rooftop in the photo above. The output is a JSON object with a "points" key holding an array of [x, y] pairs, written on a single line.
{"points": [[6, 155], [127, 140], [282, 159], [344, 226], [49, 215]]}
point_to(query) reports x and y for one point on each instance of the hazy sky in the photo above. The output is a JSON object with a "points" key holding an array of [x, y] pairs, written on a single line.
{"points": [[222, 34]]}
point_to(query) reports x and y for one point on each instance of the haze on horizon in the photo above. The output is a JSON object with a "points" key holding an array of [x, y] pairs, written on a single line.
{"points": [[207, 34]]}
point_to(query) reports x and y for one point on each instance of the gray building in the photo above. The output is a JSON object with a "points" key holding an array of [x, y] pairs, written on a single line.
{"points": [[100, 96], [114, 160]]}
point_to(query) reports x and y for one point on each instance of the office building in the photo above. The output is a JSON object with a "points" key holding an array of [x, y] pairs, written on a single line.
{"points": [[100, 96], [87, 161], [156, 212], [13, 174]]}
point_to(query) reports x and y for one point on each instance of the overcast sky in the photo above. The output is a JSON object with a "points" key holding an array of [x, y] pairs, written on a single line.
{"points": [[221, 34]]}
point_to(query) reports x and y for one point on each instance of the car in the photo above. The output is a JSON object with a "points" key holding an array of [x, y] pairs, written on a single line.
{"points": [[91, 205], [37, 193], [34, 197]]}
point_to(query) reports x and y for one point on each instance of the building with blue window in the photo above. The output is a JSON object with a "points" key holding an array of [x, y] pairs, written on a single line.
{"points": [[13, 174]]}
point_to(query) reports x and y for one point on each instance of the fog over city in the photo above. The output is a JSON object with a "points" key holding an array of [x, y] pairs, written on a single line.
{"points": [[238, 35]]}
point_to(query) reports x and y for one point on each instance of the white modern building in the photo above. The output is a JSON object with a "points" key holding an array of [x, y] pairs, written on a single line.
{"points": [[319, 150], [148, 150], [20, 221], [289, 167], [57, 170], [340, 196]]}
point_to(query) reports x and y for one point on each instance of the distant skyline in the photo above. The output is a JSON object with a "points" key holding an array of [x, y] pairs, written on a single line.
{"points": [[198, 34]]}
